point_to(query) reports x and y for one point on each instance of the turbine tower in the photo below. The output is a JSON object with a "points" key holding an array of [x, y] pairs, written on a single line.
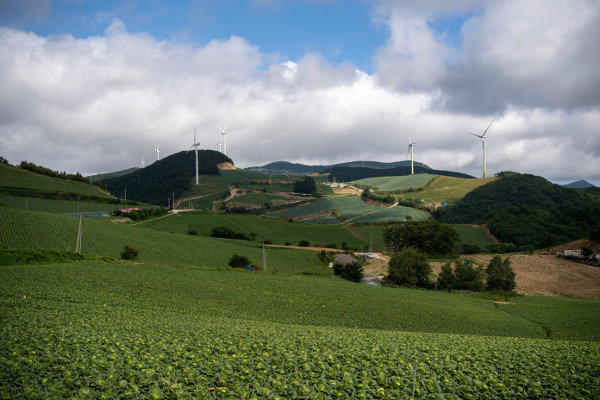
{"points": [[157, 150], [143, 163], [224, 133], [482, 137], [195, 147], [411, 146]]}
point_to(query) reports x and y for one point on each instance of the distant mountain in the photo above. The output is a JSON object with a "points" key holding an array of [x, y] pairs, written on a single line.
{"points": [[525, 209], [108, 175], [348, 174], [157, 182], [580, 184], [287, 168]]}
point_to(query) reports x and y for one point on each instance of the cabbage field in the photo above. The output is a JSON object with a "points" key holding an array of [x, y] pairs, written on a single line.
{"points": [[103, 331]]}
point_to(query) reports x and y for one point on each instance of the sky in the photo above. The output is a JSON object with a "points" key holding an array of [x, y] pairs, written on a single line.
{"points": [[94, 86]]}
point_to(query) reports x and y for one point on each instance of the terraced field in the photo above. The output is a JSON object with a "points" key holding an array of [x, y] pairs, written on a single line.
{"points": [[393, 183], [354, 209], [446, 189], [55, 206]]}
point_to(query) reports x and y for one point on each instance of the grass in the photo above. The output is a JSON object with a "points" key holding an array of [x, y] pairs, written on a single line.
{"points": [[393, 214], [393, 183], [446, 189], [19, 178], [469, 234]]}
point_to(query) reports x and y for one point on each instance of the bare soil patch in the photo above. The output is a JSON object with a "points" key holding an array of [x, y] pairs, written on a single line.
{"points": [[547, 275]]}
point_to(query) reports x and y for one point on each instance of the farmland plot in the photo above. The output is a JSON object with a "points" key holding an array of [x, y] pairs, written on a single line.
{"points": [[66, 331], [393, 183]]}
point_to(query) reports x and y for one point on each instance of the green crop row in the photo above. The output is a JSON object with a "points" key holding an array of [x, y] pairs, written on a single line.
{"points": [[37, 230], [83, 330]]}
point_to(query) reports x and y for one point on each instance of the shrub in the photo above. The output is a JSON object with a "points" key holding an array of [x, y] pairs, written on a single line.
{"points": [[238, 261], [193, 232], [469, 248], [527, 248], [227, 233], [304, 243], [352, 272], [129, 253]]}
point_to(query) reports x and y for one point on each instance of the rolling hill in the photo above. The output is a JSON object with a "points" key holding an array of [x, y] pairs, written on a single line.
{"points": [[157, 182], [526, 210]]}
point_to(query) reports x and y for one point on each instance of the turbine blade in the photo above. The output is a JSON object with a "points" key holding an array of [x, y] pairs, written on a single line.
{"points": [[484, 132], [474, 134]]}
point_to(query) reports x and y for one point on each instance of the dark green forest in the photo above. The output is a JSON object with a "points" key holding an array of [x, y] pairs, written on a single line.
{"points": [[157, 182], [525, 209], [348, 174]]}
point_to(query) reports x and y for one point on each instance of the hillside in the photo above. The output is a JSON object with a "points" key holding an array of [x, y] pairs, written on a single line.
{"points": [[156, 183], [348, 174], [525, 210], [108, 175]]}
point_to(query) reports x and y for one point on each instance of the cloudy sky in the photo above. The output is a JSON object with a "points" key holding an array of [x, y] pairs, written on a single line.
{"points": [[91, 86]]}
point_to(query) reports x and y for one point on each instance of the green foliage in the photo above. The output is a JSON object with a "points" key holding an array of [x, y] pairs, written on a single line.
{"points": [[501, 248], [409, 267], [130, 253], [227, 233], [306, 185], [469, 248], [500, 275], [143, 213], [352, 272], [468, 277], [446, 277], [304, 243], [239, 261], [38, 169], [428, 236]]}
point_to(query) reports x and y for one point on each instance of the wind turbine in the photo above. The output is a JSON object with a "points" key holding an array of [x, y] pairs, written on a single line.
{"points": [[157, 150], [195, 147], [482, 137], [143, 163], [224, 133], [411, 146]]}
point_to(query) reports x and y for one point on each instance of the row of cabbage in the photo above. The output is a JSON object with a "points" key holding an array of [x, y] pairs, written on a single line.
{"points": [[79, 331], [48, 351]]}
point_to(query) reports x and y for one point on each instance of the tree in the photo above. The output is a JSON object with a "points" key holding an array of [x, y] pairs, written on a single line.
{"points": [[352, 272], [307, 185], [129, 253], [446, 278], [469, 277], [427, 236], [500, 275], [409, 267]]}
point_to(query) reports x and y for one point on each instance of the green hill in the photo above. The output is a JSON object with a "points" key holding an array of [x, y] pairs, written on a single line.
{"points": [[525, 209], [349, 174], [156, 183], [108, 175]]}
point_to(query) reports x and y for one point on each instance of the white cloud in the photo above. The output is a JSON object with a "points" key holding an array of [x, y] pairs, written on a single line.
{"points": [[96, 104]]}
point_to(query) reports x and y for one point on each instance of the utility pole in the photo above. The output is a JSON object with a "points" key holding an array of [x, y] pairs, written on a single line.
{"points": [[173, 200], [264, 258]]}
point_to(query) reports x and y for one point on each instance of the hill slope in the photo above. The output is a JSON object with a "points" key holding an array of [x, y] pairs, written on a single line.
{"points": [[348, 174], [527, 210], [157, 182]]}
